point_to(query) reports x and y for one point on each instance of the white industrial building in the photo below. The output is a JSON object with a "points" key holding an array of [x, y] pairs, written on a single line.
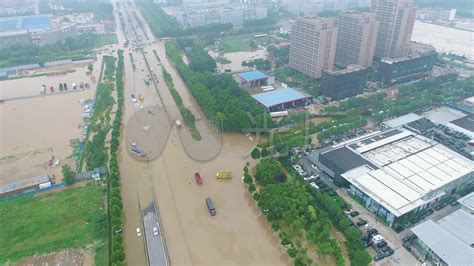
{"points": [[396, 172], [449, 241], [411, 172]]}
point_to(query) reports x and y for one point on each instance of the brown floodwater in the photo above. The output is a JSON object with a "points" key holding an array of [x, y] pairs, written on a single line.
{"points": [[35, 127], [238, 234]]}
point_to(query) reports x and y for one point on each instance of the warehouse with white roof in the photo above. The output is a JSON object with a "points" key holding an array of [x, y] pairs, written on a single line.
{"points": [[397, 172], [449, 241]]}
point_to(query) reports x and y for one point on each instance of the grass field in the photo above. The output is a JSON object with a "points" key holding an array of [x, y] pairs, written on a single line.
{"points": [[235, 44], [105, 39], [72, 218]]}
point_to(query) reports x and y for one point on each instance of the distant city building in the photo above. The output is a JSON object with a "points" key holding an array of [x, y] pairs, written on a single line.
{"points": [[397, 172], [313, 45], [397, 18], [403, 69], [54, 35], [341, 5], [469, 101], [14, 37], [41, 29], [217, 13], [17, 7], [356, 38], [344, 83], [448, 241], [304, 8], [452, 14]]}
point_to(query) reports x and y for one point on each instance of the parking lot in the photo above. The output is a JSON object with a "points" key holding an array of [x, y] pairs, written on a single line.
{"points": [[390, 242], [388, 239]]}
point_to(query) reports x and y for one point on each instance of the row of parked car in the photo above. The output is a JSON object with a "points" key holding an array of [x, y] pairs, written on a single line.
{"points": [[373, 238], [313, 178], [377, 242]]}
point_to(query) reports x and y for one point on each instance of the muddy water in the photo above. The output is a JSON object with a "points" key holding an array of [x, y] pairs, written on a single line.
{"points": [[237, 58], [237, 235], [35, 127], [32, 86]]}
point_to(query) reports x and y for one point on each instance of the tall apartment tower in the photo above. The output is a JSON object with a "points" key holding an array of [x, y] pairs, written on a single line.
{"points": [[356, 38], [313, 45], [397, 18]]}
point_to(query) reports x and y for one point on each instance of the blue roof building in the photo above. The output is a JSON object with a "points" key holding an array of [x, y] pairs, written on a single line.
{"points": [[281, 99], [32, 23], [254, 78]]}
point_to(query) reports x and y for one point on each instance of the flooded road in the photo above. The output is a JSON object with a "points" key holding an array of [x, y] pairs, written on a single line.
{"points": [[238, 235]]}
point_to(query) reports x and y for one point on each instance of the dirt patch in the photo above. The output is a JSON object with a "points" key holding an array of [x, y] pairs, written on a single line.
{"points": [[74, 257]]}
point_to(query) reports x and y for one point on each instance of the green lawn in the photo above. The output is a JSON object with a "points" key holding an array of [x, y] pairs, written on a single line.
{"points": [[235, 44], [105, 39], [40, 224]]}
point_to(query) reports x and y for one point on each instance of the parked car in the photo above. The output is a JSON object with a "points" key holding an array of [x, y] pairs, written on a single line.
{"points": [[381, 244], [389, 251], [407, 245], [379, 256], [367, 226], [155, 231], [314, 185], [454, 203], [361, 222], [297, 167], [139, 233], [332, 193], [372, 231], [354, 213], [327, 189], [347, 212]]}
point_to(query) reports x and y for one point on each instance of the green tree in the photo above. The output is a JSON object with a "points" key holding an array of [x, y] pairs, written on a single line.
{"points": [[275, 225], [252, 188], [255, 154], [267, 171], [292, 252], [68, 175], [90, 67], [264, 153]]}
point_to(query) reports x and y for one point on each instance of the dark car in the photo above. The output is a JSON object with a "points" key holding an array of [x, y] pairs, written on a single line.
{"points": [[372, 231], [454, 203], [407, 245], [361, 223], [381, 244], [327, 189], [389, 252], [354, 213], [379, 257], [407, 238], [385, 249], [332, 193], [322, 186]]}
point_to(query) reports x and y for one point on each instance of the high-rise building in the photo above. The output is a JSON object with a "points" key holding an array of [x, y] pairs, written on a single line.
{"points": [[356, 38], [344, 83], [397, 18], [313, 45]]}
